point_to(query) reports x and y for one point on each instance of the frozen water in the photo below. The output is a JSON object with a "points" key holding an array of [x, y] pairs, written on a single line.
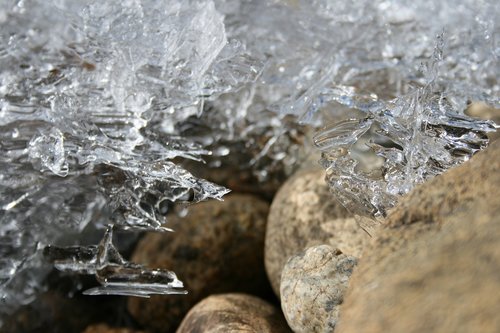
{"points": [[117, 276]]}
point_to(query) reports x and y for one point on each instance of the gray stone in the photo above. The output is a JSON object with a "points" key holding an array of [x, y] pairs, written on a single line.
{"points": [[312, 288]]}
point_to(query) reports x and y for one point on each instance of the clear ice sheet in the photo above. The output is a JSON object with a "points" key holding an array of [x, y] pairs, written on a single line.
{"points": [[99, 101]]}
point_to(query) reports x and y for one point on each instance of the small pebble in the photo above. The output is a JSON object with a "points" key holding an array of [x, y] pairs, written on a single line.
{"points": [[233, 313], [312, 288]]}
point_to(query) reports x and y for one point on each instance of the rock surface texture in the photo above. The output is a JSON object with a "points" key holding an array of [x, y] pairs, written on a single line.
{"points": [[233, 313], [304, 214], [435, 266], [313, 283], [217, 248]]}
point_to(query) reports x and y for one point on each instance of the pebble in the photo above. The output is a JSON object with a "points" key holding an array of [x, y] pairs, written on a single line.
{"points": [[312, 288], [233, 313]]}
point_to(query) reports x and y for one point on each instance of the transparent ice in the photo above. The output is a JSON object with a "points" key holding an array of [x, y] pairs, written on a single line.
{"points": [[100, 100]]}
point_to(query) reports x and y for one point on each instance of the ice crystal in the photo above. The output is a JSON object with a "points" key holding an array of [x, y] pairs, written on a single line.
{"points": [[89, 95], [117, 276]]}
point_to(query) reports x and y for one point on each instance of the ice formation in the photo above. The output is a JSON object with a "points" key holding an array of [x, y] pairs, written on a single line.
{"points": [[415, 137], [99, 101]]}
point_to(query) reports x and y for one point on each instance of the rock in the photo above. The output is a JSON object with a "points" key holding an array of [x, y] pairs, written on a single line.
{"points": [[304, 214], [483, 111], [103, 328], [313, 283], [233, 313], [434, 266], [217, 248]]}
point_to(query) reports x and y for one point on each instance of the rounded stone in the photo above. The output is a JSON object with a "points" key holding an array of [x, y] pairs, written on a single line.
{"points": [[216, 248], [233, 313], [304, 213], [312, 288], [433, 266]]}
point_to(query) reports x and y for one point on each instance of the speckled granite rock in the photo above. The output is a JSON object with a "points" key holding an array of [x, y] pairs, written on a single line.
{"points": [[303, 214], [217, 248], [233, 313], [312, 288], [435, 266], [103, 328]]}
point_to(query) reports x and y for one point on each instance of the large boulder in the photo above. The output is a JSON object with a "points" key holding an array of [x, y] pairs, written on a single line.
{"points": [[435, 266]]}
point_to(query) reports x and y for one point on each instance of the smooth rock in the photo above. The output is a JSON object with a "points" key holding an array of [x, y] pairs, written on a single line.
{"points": [[304, 214], [233, 313], [104, 328], [313, 283], [435, 265], [217, 248]]}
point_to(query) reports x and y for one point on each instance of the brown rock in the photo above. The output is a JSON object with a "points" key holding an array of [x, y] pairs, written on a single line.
{"points": [[435, 266], [304, 214], [103, 328], [312, 288], [217, 248], [233, 313]]}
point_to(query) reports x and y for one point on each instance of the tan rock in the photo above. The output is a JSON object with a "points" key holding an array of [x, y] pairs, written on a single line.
{"points": [[217, 248], [435, 266], [313, 283], [233, 313], [304, 214]]}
